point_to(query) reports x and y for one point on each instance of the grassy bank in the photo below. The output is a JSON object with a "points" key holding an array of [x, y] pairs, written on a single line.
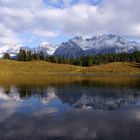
{"points": [[16, 68], [41, 72]]}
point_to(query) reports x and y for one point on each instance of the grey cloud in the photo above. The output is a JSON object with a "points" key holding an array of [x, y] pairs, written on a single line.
{"points": [[119, 17]]}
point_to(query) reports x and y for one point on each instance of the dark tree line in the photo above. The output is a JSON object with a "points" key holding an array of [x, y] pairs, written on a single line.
{"points": [[98, 59], [29, 56], [82, 61], [6, 56]]}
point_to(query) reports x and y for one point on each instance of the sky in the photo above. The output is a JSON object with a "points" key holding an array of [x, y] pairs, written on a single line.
{"points": [[30, 22]]}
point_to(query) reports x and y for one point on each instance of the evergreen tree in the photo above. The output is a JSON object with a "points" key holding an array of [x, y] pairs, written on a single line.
{"points": [[6, 56], [41, 55], [81, 61], [29, 55], [22, 55]]}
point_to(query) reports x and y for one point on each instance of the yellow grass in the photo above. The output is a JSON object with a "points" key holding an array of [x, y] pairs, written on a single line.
{"points": [[16, 68], [115, 68], [41, 72], [34, 67]]}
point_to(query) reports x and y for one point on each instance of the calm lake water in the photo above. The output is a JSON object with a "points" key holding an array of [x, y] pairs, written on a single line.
{"points": [[81, 110]]}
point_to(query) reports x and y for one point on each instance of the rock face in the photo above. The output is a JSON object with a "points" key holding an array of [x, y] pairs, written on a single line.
{"points": [[79, 46], [69, 49]]}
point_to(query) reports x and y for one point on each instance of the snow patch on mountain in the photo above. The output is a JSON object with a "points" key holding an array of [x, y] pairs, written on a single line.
{"points": [[106, 41], [13, 49], [96, 45], [79, 46], [50, 48]]}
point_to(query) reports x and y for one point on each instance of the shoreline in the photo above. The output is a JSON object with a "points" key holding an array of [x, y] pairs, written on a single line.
{"points": [[94, 74]]}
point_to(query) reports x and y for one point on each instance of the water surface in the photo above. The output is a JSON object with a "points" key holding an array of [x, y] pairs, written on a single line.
{"points": [[78, 110]]}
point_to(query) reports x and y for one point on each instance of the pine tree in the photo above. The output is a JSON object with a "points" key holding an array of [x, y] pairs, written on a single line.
{"points": [[6, 56], [22, 55], [41, 55], [29, 55]]}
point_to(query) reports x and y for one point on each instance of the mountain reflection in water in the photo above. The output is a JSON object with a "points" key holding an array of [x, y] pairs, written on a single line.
{"points": [[78, 110]]}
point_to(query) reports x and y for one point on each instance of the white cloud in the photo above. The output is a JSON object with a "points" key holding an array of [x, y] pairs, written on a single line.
{"points": [[44, 33], [36, 17]]}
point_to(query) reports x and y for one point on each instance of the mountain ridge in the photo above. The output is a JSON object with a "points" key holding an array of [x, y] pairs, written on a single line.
{"points": [[79, 46], [97, 45]]}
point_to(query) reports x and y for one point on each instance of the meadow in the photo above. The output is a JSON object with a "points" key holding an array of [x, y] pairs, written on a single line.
{"points": [[10, 67], [41, 72]]}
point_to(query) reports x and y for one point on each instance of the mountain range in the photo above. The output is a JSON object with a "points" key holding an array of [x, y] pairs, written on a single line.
{"points": [[48, 49], [79, 46]]}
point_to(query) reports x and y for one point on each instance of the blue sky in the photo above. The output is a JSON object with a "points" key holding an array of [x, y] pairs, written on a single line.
{"points": [[33, 40], [61, 3], [31, 22]]}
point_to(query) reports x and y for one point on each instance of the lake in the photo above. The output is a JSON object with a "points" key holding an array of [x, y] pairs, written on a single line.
{"points": [[85, 109]]}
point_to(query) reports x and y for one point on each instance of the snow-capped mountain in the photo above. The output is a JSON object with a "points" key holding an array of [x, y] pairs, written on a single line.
{"points": [[69, 49], [13, 49], [79, 46], [48, 49]]}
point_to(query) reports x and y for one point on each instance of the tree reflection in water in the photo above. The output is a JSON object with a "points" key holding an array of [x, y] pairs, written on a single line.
{"points": [[77, 110]]}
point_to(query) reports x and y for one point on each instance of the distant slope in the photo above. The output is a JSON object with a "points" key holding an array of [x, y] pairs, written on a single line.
{"points": [[16, 68]]}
